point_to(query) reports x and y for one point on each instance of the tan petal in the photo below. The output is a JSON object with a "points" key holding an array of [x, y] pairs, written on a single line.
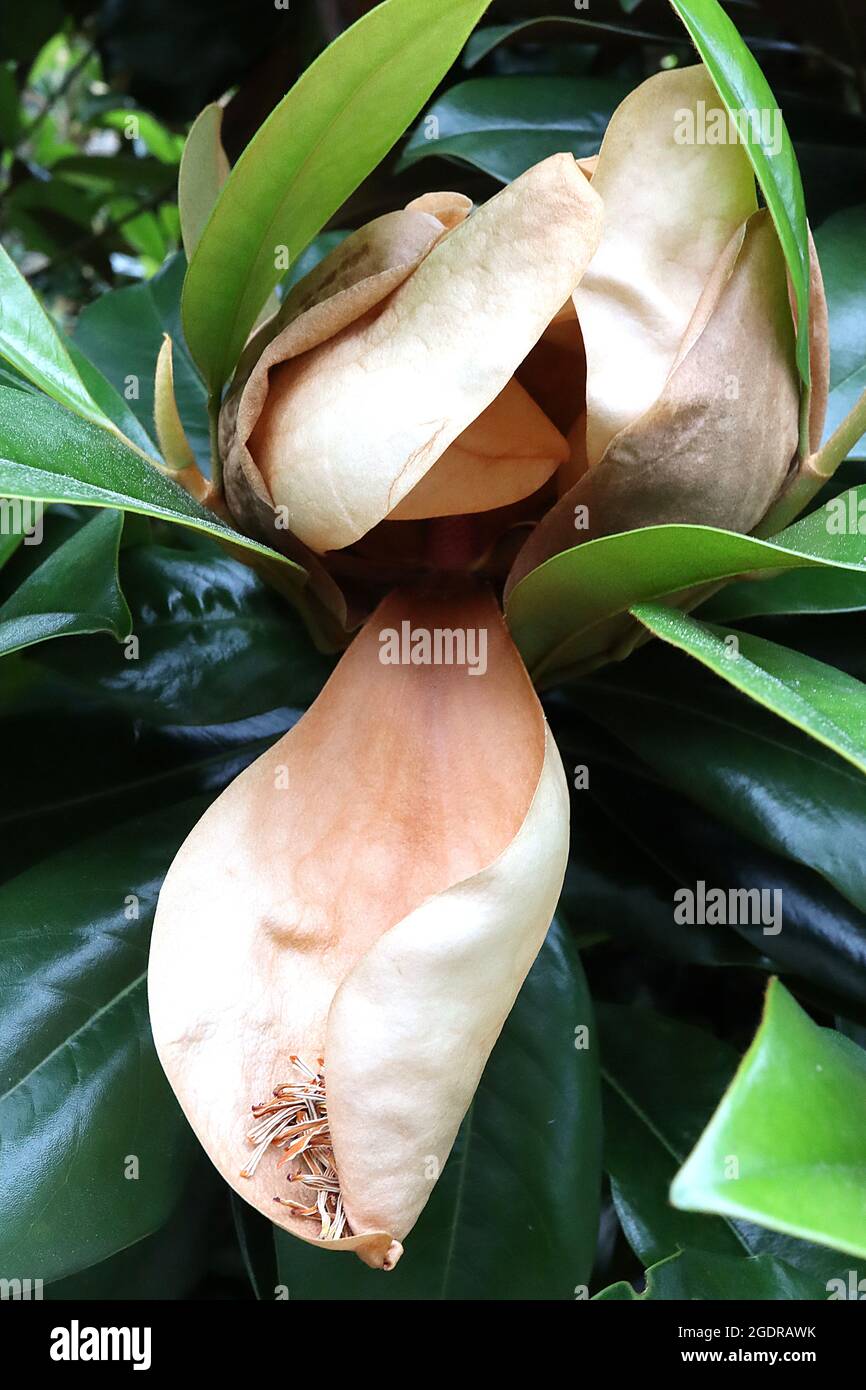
{"points": [[361, 272], [429, 999], [716, 447], [508, 453], [669, 211], [819, 349], [352, 426], [408, 795]]}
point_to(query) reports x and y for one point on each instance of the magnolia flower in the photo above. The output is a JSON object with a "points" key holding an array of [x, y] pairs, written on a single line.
{"points": [[343, 934]]}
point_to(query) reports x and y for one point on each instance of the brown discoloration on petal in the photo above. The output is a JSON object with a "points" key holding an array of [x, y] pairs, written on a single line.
{"points": [[819, 349], [670, 208], [699, 456], [353, 424]]}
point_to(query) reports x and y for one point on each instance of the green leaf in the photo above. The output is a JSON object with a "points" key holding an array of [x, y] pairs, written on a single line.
{"points": [[214, 644], [74, 591], [662, 1080], [798, 592], [503, 125], [561, 614], [824, 702], [47, 453], [515, 1212], [339, 120], [744, 89], [841, 244], [35, 348], [787, 1146], [81, 1090], [122, 332], [569, 27], [698, 1274], [758, 775]]}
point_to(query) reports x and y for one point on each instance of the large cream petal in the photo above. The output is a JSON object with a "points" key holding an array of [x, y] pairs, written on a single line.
{"points": [[352, 426], [402, 784], [669, 211], [508, 453], [717, 445], [412, 1025]]}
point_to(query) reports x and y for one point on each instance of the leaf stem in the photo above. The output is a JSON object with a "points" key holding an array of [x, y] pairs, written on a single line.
{"points": [[815, 471]]}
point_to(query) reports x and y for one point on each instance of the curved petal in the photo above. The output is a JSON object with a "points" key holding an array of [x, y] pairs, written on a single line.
{"points": [[717, 445], [361, 272], [352, 426], [429, 1000], [671, 204], [508, 453], [410, 812]]}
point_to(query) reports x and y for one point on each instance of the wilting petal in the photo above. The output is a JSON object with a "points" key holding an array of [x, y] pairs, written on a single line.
{"points": [[358, 275], [819, 349], [352, 426], [669, 211], [508, 453], [371, 891], [717, 445]]}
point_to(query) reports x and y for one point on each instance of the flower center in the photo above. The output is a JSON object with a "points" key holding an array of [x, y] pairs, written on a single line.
{"points": [[295, 1121]]}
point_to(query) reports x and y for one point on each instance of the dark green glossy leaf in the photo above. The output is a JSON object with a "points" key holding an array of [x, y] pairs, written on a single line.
{"points": [[503, 125], [550, 29], [515, 1212], [339, 120], [661, 1080], [825, 703], [82, 1095], [757, 774], [74, 591], [214, 644], [841, 243], [698, 1274], [627, 864]]}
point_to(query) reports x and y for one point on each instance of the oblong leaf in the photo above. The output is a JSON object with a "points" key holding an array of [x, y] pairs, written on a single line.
{"points": [[787, 1146], [824, 702], [46, 453], [503, 125], [74, 591], [559, 612], [95, 1150]]}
